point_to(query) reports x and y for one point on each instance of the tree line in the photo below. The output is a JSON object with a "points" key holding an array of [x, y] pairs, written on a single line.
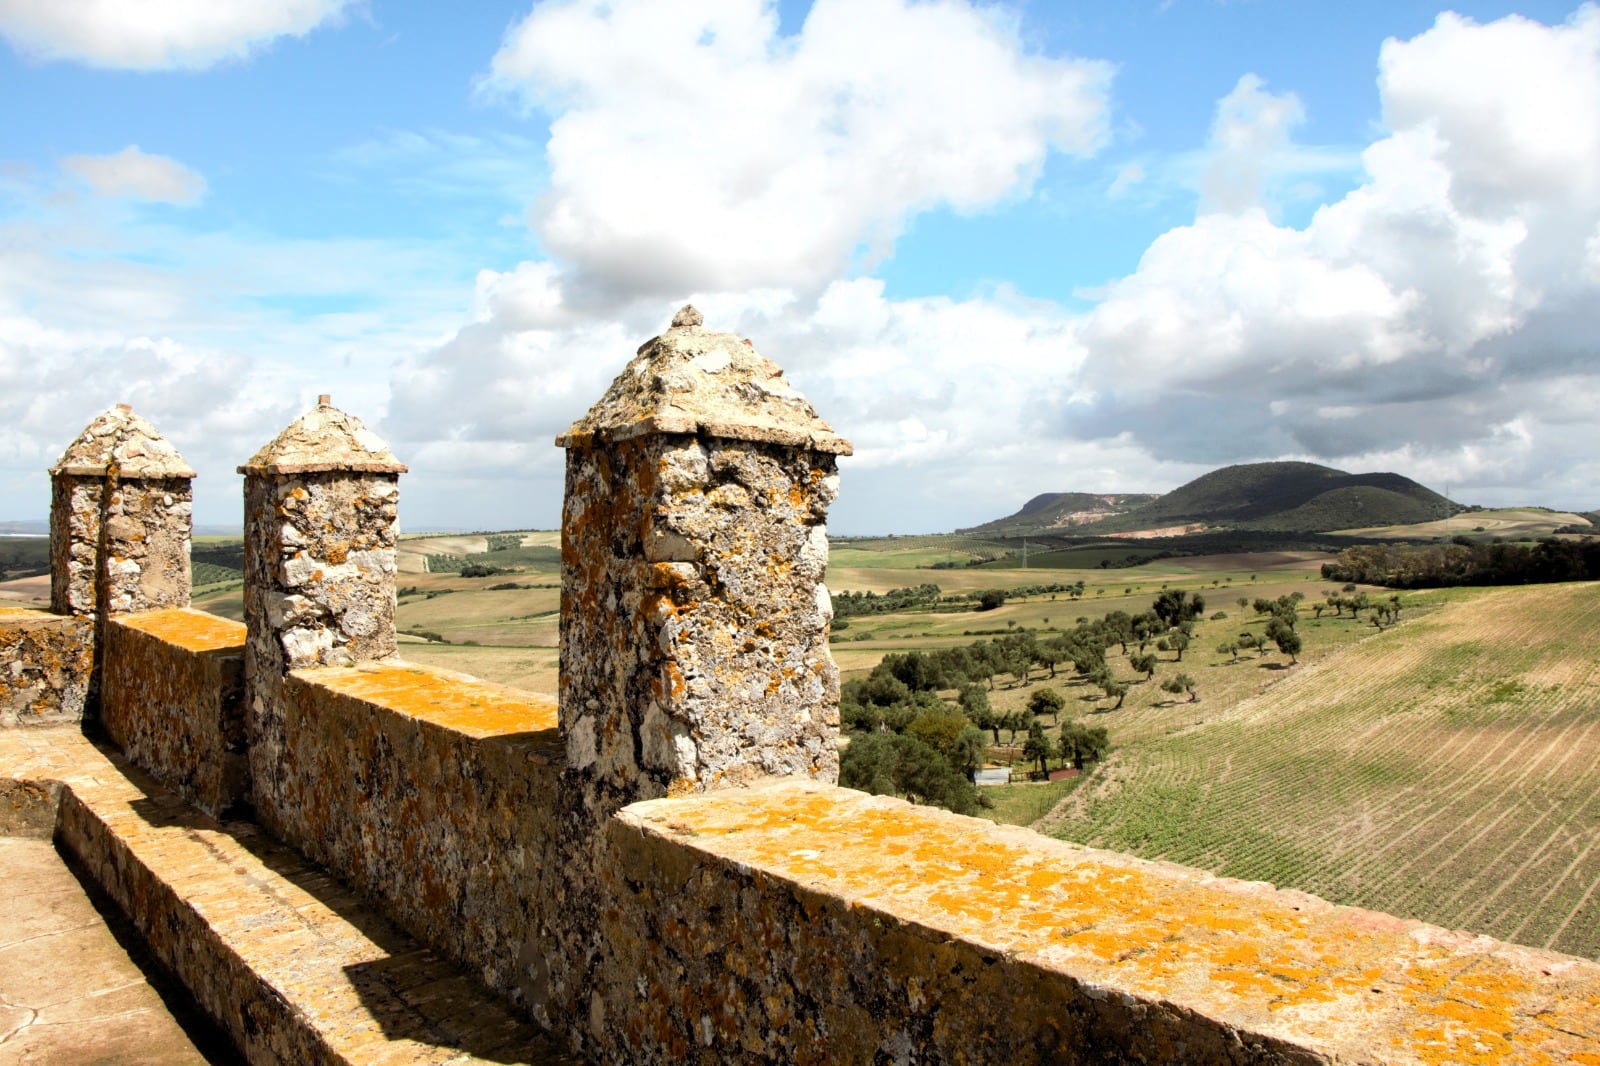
{"points": [[1467, 562], [931, 597]]}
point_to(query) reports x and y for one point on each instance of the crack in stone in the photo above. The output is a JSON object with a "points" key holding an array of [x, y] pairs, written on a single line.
{"points": [[27, 1023], [53, 932]]}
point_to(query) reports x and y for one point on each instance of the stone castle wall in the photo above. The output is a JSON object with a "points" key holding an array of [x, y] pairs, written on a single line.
{"points": [[45, 664], [172, 698], [319, 590], [658, 866]]}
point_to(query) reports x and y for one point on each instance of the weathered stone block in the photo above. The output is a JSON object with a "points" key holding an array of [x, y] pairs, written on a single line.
{"points": [[794, 922], [45, 662], [435, 795], [172, 698]]}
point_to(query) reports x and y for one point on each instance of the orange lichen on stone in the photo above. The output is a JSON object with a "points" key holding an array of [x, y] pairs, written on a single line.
{"points": [[1283, 965], [453, 701], [192, 630]]}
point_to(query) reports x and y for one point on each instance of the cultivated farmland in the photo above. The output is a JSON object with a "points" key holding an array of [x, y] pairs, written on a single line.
{"points": [[1446, 769]]}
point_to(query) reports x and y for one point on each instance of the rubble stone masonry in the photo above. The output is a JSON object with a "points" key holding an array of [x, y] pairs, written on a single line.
{"points": [[694, 619], [120, 516], [172, 698], [45, 663], [320, 505], [658, 866]]}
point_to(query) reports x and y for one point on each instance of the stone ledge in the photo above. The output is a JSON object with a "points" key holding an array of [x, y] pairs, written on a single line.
{"points": [[189, 629], [442, 698], [172, 699], [45, 662], [1117, 952], [290, 963]]}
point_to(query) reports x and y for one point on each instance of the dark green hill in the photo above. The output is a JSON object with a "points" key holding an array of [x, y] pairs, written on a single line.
{"points": [[1303, 496], [1287, 496], [1062, 511]]}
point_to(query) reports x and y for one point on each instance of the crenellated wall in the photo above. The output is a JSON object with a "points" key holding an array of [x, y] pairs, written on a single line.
{"points": [[172, 698], [657, 865], [45, 664]]}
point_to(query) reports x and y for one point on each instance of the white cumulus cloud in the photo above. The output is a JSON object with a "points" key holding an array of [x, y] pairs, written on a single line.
{"points": [[216, 407], [138, 175], [695, 148], [156, 34], [1252, 128], [1420, 317], [1439, 319]]}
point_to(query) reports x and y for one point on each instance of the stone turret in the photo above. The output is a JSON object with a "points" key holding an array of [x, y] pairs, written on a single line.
{"points": [[694, 620], [120, 516], [320, 505]]}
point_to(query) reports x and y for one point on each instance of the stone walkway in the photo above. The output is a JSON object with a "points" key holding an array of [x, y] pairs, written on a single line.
{"points": [[70, 995], [294, 966]]}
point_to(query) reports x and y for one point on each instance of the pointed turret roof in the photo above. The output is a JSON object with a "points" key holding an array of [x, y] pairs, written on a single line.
{"points": [[324, 438], [691, 380], [119, 440]]}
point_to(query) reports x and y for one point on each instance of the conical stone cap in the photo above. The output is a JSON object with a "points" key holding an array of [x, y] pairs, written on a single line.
{"points": [[120, 441], [324, 439], [693, 381]]}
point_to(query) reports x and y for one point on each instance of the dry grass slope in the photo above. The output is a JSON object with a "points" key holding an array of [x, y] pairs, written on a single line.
{"points": [[1447, 769]]}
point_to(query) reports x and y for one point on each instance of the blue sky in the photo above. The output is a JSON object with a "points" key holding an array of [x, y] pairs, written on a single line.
{"points": [[1006, 249]]}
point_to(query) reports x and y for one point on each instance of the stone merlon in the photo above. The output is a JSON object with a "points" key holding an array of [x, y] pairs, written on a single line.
{"points": [[324, 439], [120, 442], [690, 380]]}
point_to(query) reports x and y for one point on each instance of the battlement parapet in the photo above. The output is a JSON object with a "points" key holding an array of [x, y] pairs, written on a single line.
{"points": [[656, 864]]}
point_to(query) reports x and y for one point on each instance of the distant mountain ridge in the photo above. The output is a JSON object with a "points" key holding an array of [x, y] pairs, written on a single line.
{"points": [[1284, 496]]}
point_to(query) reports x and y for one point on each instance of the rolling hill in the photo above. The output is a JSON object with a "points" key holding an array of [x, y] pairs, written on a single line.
{"points": [[1285, 496], [1063, 511]]}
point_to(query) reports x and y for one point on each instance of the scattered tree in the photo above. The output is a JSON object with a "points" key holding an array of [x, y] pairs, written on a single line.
{"points": [[1082, 745], [1180, 684], [1047, 701], [1174, 606], [1117, 690], [1038, 747]]}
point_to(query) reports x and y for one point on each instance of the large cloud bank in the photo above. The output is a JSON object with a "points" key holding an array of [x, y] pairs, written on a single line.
{"points": [[1442, 316], [1439, 319]]}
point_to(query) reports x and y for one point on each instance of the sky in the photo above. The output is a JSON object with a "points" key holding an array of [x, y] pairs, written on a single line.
{"points": [[1005, 249]]}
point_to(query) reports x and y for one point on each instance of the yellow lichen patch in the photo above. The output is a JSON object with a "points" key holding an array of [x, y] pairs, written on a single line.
{"points": [[1244, 954], [468, 706], [189, 629]]}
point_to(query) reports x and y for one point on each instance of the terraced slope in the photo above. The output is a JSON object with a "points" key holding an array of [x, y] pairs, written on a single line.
{"points": [[1447, 769]]}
